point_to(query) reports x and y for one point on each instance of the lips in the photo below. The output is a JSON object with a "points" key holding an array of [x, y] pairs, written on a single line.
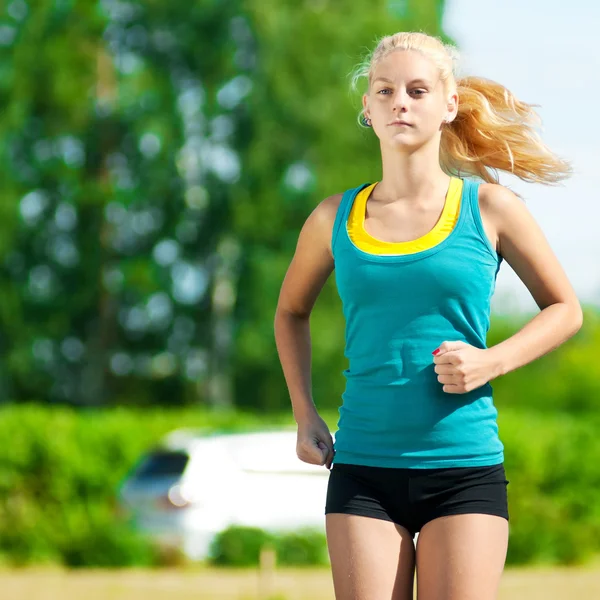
{"points": [[400, 123]]}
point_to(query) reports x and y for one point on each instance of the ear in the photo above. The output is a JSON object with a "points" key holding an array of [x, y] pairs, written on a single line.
{"points": [[452, 107], [365, 101]]}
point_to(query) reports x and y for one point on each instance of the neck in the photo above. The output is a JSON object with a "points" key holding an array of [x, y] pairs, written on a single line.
{"points": [[411, 175]]}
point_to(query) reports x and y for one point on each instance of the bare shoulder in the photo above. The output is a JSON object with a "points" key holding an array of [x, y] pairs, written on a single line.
{"points": [[495, 198], [513, 223], [319, 225], [326, 211], [501, 210]]}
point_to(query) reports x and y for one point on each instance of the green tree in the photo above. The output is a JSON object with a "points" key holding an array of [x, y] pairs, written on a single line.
{"points": [[116, 166]]}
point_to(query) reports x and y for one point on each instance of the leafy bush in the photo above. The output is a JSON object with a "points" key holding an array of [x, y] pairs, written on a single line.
{"points": [[300, 548], [553, 465], [241, 547]]}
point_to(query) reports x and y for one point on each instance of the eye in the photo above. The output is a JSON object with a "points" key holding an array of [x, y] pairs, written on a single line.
{"points": [[418, 92]]}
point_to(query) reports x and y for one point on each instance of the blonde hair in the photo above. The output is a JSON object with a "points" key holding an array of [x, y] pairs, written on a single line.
{"points": [[492, 131]]}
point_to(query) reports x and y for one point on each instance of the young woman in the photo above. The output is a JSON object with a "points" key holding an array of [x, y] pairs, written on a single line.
{"points": [[416, 256]]}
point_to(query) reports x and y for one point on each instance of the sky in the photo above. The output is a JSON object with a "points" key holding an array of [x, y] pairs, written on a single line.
{"points": [[546, 53]]}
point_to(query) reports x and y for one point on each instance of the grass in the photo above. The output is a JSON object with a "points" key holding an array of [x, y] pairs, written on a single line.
{"points": [[287, 584]]}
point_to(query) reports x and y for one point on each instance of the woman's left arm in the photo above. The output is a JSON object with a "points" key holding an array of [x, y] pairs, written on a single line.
{"points": [[523, 245], [461, 367]]}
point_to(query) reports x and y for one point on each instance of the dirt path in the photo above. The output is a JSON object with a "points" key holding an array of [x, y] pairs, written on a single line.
{"points": [[288, 584]]}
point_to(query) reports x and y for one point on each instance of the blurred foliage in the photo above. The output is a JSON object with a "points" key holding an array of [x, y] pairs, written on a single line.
{"points": [[304, 547], [157, 162], [553, 466], [239, 546], [563, 380], [115, 163], [60, 473]]}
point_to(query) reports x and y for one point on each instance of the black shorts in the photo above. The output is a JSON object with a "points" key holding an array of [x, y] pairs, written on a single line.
{"points": [[413, 497]]}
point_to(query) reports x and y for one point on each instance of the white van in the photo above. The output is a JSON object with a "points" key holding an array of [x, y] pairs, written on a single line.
{"points": [[195, 485]]}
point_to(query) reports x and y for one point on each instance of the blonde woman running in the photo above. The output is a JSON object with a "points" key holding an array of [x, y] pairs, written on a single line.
{"points": [[416, 256]]}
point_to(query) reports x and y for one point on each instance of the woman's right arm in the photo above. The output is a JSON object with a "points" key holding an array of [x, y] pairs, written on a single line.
{"points": [[309, 270]]}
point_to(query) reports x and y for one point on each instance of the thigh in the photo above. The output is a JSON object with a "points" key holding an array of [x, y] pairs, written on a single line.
{"points": [[461, 557], [371, 558]]}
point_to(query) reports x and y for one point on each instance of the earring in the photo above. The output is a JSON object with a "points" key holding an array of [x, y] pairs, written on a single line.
{"points": [[366, 122]]}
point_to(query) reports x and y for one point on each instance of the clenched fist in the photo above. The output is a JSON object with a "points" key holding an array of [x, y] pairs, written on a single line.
{"points": [[314, 443], [462, 368]]}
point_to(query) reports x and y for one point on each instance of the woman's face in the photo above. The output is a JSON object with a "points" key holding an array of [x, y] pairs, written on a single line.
{"points": [[406, 86]]}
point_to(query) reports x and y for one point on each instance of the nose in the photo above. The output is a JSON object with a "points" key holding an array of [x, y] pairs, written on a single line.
{"points": [[400, 101]]}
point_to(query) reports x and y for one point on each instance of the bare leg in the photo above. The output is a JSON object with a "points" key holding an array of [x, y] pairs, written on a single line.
{"points": [[371, 559], [461, 557]]}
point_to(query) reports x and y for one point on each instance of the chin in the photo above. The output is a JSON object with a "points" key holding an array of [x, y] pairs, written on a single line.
{"points": [[404, 141], [412, 140]]}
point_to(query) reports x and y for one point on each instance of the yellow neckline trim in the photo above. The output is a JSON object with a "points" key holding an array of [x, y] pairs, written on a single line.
{"points": [[441, 230]]}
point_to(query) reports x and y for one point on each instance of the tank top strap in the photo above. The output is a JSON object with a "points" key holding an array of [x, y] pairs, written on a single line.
{"points": [[343, 212], [474, 222]]}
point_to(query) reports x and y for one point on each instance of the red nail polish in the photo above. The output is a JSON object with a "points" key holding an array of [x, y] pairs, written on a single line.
{"points": [[435, 352]]}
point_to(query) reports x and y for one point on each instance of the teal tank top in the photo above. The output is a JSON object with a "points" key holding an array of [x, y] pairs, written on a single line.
{"points": [[398, 309]]}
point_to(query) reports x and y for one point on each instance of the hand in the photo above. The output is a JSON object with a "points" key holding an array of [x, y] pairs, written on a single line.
{"points": [[314, 444], [462, 368]]}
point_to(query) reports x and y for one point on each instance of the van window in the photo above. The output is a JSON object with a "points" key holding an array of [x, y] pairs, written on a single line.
{"points": [[162, 463]]}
